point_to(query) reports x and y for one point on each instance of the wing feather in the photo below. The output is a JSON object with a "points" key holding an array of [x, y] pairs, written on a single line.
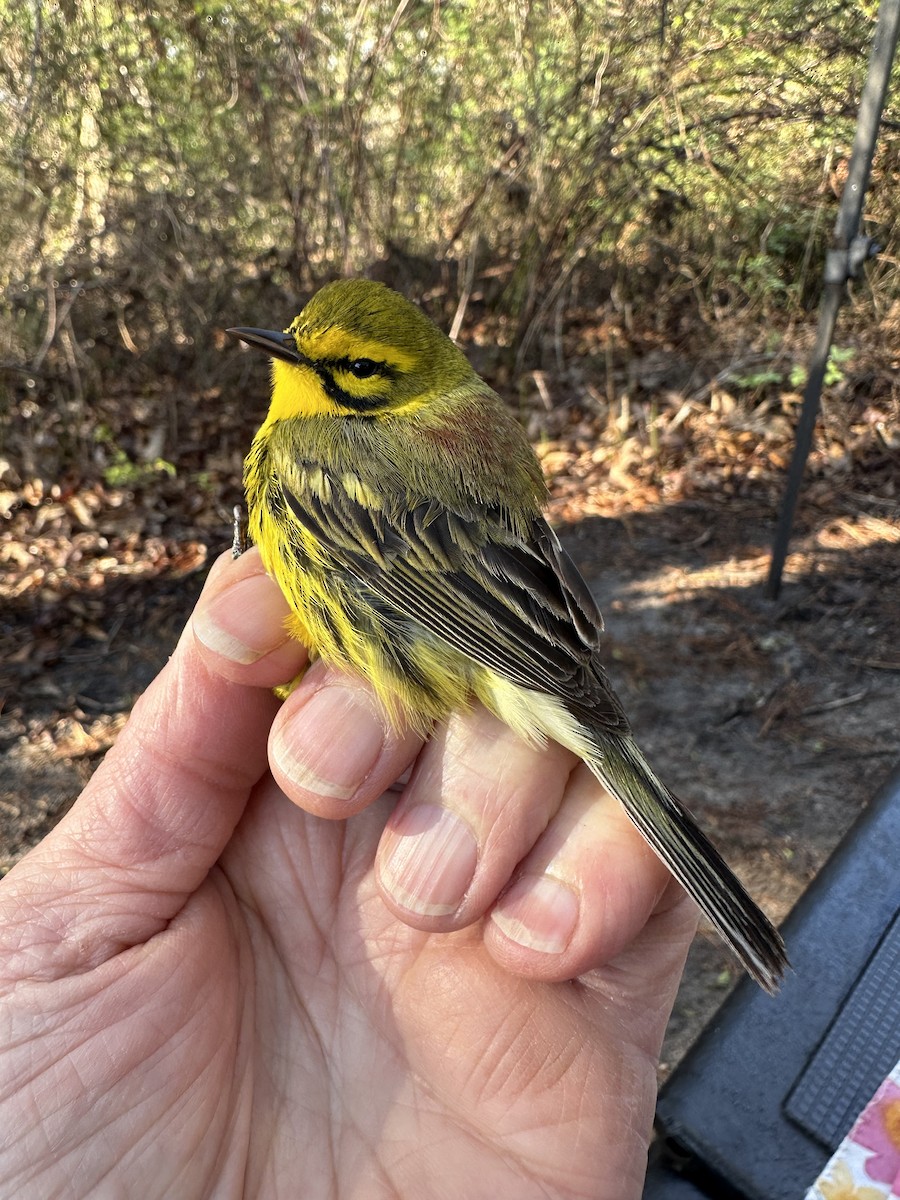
{"points": [[517, 606]]}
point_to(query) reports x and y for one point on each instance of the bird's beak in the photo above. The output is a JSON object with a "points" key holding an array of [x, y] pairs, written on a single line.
{"points": [[278, 345]]}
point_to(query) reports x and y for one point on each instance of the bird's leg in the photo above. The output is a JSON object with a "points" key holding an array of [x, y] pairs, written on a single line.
{"points": [[239, 540]]}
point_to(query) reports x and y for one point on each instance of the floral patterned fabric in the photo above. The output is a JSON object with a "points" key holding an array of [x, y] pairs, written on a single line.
{"points": [[866, 1165]]}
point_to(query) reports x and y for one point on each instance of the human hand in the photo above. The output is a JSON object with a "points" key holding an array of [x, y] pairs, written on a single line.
{"points": [[210, 990]]}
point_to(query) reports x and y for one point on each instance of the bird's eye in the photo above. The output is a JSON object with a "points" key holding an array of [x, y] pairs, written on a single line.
{"points": [[363, 368]]}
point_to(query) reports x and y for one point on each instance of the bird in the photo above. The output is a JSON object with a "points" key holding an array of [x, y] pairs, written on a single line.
{"points": [[398, 504]]}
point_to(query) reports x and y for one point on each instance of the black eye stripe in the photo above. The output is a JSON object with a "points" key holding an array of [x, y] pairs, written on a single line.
{"points": [[372, 368], [364, 405]]}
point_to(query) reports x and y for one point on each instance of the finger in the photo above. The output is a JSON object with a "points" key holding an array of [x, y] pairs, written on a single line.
{"points": [[583, 894], [332, 749], [478, 799], [149, 825], [241, 625]]}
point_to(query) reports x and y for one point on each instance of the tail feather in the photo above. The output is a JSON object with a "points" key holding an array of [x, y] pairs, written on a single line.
{"points": [[691, 857]]}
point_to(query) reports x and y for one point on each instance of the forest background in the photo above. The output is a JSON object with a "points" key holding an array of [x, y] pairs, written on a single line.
{"points": [[621, 213]]}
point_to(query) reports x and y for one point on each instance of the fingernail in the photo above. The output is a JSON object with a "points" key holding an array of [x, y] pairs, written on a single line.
{"points": [[242, 623], [539, 913], [430, 861], [329, 746]]}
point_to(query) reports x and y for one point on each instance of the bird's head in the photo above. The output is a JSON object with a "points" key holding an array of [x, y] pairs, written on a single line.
{"points": [[358, 349]]}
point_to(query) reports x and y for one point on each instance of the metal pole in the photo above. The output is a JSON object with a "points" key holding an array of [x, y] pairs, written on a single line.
{"points": [[844, 261]]}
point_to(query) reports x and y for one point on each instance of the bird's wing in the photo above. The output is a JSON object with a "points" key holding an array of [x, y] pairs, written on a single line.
{"points": [[518, 607]]}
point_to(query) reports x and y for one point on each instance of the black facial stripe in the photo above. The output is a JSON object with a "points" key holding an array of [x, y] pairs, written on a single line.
{"points": [[364, 405]]}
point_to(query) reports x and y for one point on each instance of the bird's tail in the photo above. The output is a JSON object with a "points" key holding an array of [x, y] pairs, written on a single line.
{"points": [[691, 857]]}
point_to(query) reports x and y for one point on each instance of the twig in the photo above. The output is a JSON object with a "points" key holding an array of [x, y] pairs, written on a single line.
{"points": [[127, 340], [540, 382], [829, 705], [70, 346], [459, 315], [55, 319], [50, 333]]}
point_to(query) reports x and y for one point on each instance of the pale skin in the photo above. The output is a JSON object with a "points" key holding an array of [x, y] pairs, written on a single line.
{"points": [[237, 968]]}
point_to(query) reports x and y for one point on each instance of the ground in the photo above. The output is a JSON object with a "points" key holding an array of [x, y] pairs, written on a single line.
{"points": [[775, 721]]}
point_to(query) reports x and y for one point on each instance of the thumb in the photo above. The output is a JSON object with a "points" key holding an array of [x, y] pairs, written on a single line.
{"points": [[157, 813]]}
